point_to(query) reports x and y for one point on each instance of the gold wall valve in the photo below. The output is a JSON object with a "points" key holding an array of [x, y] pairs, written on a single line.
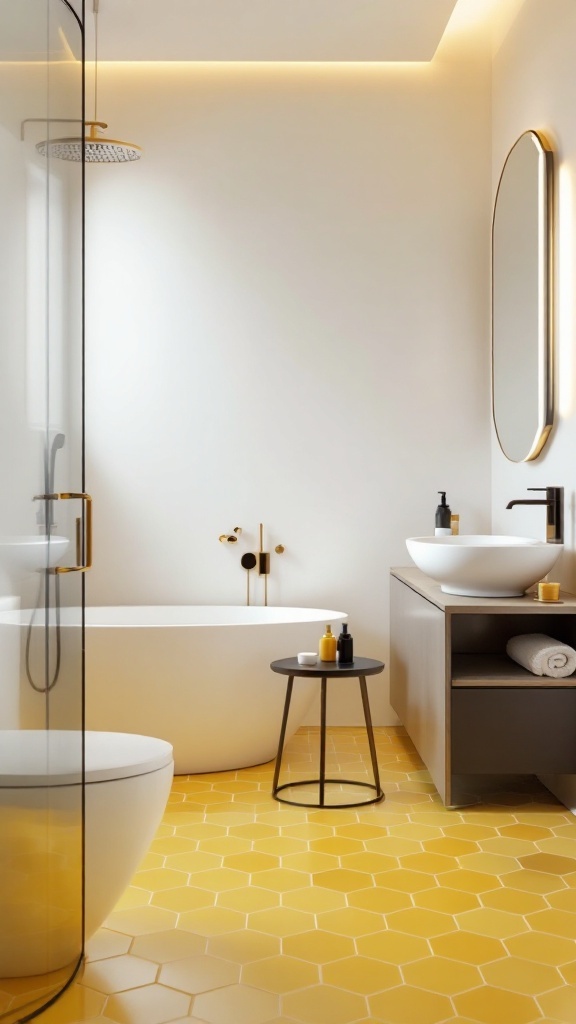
{"points": [[230, 538]]}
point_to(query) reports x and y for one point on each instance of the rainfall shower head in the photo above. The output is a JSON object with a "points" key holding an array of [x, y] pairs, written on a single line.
{"points": [[97, 150]]}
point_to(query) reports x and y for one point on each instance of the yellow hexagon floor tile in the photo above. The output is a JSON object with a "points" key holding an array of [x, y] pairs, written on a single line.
{"points": [[449, 846], [533, 881], [224, 846], [185, 897], [406, 1005], [381, 901], [393, 846], [437, 974], [514, 901], [324, 1003], [336, 845], [528, 832], [280, 879], [310, 861], [522, 976], [404, 880], [370, 862], [499, 924], [280, 846], [141, 920], [160, 878], [360, 830], [248, 899], [417, 832], [315, 899], [211, 920], [446, 901], [199, 974], [280, 974], [494, 1006], [470, 881], [343, 880], [473, 833], [152, 1004], [564, 899], [554, 922], [236, 1004], [218, 881], [362, 975], [393, 947], [550, 863], [169, 945], [350, 921], [417, 921], [254, 831], [318, 947], [430, 863], [493, 863], [280, 921], [243, 947], [198, 860], [251, 861], [560, 1004], [202, 830], [468, 948], [105, 943], [542, 948]]}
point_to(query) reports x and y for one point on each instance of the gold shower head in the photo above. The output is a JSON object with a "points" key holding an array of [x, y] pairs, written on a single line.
{"points": [[97, 150]]}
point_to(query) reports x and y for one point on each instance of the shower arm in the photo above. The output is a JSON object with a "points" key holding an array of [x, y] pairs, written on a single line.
{"points": [[58, 120]]}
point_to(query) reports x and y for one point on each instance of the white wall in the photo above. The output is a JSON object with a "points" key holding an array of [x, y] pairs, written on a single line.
{"points": [[288, 303], [534, 84]]}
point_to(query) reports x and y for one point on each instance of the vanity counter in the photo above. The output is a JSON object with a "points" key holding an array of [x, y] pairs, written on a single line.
{"points": [[468, 708]]}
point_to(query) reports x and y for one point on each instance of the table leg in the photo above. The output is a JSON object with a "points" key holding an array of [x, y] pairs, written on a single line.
{"points": [[322, 741], [282, 732], [370, 731]]}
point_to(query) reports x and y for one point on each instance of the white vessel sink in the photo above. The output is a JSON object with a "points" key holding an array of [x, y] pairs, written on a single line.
{"points": [[32, 553], [484, 565]]}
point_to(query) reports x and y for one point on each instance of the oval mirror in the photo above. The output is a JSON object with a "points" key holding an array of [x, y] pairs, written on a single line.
{"points": [[522, 334]]}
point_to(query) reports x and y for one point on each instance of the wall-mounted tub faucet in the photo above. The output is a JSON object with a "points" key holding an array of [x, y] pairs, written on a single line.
{"points": [[554, 502]]}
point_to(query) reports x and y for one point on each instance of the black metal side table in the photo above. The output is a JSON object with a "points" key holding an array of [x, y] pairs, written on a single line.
{"points": [[324, 670]]}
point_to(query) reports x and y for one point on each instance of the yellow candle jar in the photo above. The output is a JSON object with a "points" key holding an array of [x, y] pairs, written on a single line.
{"points": [[548, 591]]}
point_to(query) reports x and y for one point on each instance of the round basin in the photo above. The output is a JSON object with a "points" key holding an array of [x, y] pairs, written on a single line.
{"points": [[484, 565], [30, 554]]}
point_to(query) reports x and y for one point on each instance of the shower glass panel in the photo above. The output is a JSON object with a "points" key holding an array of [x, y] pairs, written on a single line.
{"points": [[41, 458]]}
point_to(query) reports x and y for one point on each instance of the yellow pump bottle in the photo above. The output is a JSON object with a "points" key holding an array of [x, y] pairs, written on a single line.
{"points": [[327, 646]]}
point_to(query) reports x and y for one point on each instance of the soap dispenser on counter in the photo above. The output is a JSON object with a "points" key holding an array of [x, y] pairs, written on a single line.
{"points": [[443, 526], [345, 647], [327, 646]]}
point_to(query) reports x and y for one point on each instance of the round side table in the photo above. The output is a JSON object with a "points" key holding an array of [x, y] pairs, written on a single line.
{"points": [[325, 670]]}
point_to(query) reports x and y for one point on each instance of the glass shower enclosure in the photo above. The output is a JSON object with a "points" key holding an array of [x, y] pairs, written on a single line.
{"points": [[43, 515]]}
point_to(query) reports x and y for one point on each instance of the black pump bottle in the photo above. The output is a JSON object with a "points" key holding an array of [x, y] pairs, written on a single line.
{"points": [[442, 520], [345, 648]]}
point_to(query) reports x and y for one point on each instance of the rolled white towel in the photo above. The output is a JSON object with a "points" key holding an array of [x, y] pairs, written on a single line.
{"points": [[542, 655]]}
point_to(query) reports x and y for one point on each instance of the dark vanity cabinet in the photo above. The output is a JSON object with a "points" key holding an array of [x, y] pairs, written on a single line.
{"points": [[468, 708]]}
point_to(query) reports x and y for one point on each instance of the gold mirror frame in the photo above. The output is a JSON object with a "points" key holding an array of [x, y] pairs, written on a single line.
{"points": [[522, 299]]}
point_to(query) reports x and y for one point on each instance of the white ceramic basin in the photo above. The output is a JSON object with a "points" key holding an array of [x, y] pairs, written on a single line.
{"points": [[484, 565], [29, 554]]}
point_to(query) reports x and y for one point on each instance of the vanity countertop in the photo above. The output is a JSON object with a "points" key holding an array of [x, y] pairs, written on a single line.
{"points": [[429, 589]]}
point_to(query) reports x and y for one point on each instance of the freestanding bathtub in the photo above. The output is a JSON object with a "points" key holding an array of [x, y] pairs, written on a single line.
{"points": [[199, 677]]}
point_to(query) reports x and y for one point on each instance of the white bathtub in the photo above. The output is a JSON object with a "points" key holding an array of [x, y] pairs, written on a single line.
{"points": [[199, 677]]}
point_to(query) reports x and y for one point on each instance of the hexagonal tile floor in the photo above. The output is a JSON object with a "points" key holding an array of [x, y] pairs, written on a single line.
{"points": [[248, 911]]}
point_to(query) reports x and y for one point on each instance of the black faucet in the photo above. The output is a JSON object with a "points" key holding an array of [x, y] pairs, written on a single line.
{"points": [[554, 501]]}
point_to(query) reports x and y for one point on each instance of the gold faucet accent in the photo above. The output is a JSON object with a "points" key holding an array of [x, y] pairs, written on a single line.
{"points": [[230, 538]]}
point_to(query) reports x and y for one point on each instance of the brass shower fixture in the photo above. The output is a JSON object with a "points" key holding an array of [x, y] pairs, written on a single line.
{"points": [[230, 538]]}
